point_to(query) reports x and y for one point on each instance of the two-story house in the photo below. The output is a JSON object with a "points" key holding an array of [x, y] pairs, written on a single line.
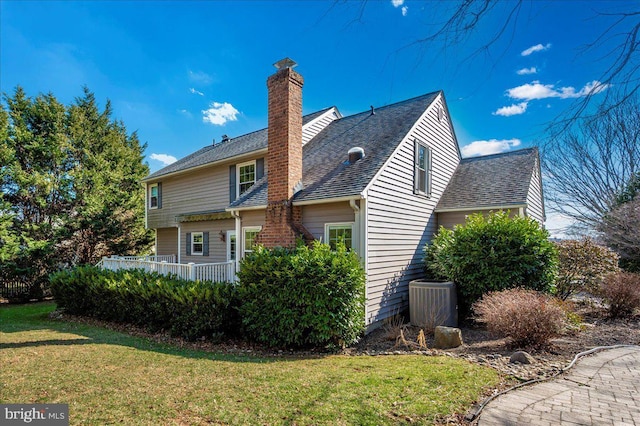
{"points": [[382, 181]]}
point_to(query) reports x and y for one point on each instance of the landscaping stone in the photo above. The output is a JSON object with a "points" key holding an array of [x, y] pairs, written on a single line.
{"points": [[447, 337], [521, 357]]}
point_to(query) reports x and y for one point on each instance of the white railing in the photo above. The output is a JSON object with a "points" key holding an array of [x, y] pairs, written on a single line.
{"points": [[169, 258], [219, 272]]}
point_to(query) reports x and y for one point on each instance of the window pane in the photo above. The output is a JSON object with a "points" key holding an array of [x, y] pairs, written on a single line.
{"points": [[232, 247], [247, 177], [340, 233], [422, 180], [422, 157]]}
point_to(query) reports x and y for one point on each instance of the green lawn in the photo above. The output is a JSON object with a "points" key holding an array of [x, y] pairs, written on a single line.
{"points": [[108, 377]]}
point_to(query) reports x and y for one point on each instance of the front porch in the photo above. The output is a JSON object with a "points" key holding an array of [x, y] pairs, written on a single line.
{"points": [[166, 265]]}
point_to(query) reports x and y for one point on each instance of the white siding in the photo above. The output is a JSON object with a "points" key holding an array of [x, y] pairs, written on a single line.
{"points": [[400, 223], [451, 219], [314, 217], [535, 204], [316, 125]]}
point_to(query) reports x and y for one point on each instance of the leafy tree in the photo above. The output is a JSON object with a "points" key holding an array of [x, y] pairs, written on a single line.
{"points": [[70, 186]]}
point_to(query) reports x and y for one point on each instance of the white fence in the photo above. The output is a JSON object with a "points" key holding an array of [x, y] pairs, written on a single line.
{"points": [[219, 272]]}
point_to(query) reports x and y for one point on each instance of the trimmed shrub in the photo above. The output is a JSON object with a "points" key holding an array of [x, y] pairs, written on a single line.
{"points": [[187, 309], [582, 264], [621, 291], [309, 296], [529, 318], [493, 253]]}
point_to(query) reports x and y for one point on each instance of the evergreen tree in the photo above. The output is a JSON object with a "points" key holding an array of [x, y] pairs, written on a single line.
{"points": [[70, 186]]}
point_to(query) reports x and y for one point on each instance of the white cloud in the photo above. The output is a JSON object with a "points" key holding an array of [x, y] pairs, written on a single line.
{"points": [[195, 92], [536, 90], [536, 48], [515, 109], [398, 3], [219, 113], [200, 77], [527, 71], [165, 159], [492, 146]]}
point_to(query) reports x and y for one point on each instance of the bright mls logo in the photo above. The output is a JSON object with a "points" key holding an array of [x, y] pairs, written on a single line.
{"points": [[38, 414]]}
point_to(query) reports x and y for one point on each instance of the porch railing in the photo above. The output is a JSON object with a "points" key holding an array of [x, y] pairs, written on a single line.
{"points": [[219, 272]]}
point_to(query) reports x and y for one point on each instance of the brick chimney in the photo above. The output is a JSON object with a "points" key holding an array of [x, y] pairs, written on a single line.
{"points": [[283, 221]]}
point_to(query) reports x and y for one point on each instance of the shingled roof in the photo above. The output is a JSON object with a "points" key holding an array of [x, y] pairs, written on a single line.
{"points": [[233, 147], [326, 172], [491, 181]]}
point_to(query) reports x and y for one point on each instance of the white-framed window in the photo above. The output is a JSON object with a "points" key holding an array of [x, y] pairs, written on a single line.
{"points": [[197, 243], [422, 169], [154, 196], [232, 246], [336, 232], [246, 177], [249, 235]]}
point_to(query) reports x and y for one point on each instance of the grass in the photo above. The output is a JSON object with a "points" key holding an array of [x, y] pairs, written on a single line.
{"points": [[109, 377]]}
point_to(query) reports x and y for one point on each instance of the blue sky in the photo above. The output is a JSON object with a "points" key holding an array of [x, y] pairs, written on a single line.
{"points": [[184, 73]]}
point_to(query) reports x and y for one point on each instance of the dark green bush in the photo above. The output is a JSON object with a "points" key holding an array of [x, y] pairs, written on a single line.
{"points": [[187, 309], [303, 297], [493, 253]]}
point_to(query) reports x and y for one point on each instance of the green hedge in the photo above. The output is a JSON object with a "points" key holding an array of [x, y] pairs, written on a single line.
{"points": [[309, 296], [187, 309], [493, 253]]}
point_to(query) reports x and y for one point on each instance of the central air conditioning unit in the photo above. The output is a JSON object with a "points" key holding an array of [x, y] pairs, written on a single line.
{"points": [[433, 303]]}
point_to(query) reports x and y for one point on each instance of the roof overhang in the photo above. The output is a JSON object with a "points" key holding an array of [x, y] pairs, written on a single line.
{"points": [[327, 200], [204, 216]]}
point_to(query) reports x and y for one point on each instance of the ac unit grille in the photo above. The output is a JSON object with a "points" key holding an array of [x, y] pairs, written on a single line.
{"points": [[432, 304]]}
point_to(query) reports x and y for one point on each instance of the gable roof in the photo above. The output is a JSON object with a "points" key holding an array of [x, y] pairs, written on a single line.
{"points": [[234, 147], [491, 181], [326, 173]]}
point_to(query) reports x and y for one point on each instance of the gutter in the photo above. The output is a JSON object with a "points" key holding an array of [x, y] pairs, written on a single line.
{"points": [[496, 207]]}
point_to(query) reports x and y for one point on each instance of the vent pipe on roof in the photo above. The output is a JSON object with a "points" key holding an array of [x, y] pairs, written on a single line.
{"points": [[373, 110], [224, 138], [356, 153]]}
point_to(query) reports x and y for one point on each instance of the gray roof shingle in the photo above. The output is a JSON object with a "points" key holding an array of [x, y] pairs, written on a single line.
{"points": [[325, 172], [491, 180], [233, 147]]}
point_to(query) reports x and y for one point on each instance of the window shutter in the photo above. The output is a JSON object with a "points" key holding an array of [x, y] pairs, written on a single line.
{"points": [[205, 244], [188, 245], [429, 172], [159, 195], [232, 183], [259, 168], [416, 170]]}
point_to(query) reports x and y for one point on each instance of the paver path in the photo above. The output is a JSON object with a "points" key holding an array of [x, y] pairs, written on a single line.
{"points": [[600, 389]]}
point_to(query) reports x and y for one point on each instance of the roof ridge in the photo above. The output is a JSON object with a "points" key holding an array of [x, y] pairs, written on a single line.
{"points": [[500, 154], [393, 104]]}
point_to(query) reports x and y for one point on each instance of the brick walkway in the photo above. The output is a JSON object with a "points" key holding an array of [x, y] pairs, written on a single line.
{"points": [[600, 389]]}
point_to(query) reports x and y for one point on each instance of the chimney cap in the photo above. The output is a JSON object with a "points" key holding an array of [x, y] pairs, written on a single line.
{"points": [[285, 63]]}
